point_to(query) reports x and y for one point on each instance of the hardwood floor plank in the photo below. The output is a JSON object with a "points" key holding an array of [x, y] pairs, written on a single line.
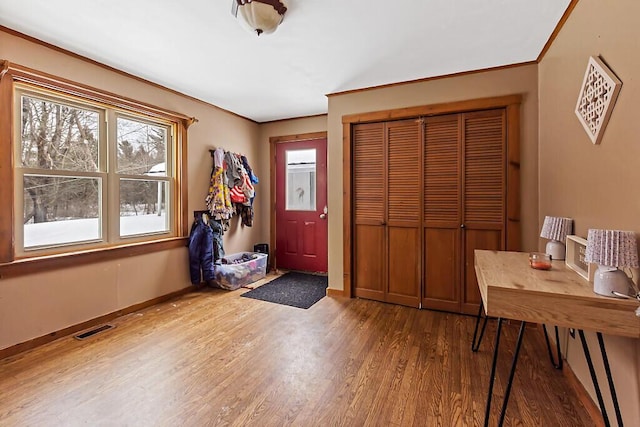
{"points": [[391, 378], [211, 357]]}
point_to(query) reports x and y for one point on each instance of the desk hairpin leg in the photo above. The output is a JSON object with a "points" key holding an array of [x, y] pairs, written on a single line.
{"points": [[514, 362], [612, 388], [507, 392], [557, 365], [594, 378], [487, 410], [476, 345]]}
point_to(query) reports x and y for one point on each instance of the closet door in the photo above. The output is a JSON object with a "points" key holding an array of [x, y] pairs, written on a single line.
{"points": [[404, 211], [442, 213], [484, 190], [369, 205]]}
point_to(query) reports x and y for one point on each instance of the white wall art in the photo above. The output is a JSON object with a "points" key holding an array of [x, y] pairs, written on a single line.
{"points": [[598, 94]]}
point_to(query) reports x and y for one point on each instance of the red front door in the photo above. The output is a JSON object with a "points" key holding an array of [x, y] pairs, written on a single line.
{"points": [[301, 205]]}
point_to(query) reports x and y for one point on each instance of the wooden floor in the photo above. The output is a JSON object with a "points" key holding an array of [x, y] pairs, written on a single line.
{"points": [[214, 358]]}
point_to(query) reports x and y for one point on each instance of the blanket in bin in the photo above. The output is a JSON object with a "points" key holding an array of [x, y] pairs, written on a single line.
{"points": [[239, 270]]}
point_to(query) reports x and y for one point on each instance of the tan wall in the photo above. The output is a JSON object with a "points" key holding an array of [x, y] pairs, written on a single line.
{"points": [[35, 305], [517, 80], [594, 183], [275, 129]]}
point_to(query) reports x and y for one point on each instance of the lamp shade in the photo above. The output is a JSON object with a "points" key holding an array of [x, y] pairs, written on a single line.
{"points": [[556, 228], [260, 16], [613, 248]]}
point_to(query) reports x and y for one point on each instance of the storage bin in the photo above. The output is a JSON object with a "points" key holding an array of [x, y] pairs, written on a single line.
{"points": [[237, 272]]}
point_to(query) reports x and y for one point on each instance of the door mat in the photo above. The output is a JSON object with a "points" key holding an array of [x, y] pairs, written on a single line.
{"points": [[294, 289]]}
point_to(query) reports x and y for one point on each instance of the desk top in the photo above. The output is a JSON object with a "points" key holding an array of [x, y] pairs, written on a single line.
{"points": [[513, 290]]}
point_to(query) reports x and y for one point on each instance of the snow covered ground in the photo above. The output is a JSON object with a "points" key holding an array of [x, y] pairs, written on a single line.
{"points": [[78, 230]]}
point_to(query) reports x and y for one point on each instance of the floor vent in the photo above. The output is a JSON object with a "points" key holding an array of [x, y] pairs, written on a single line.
{"points": [[92, 332]]}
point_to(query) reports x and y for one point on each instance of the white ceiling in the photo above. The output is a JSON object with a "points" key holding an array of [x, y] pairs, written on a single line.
{"points": [[323, 46]]}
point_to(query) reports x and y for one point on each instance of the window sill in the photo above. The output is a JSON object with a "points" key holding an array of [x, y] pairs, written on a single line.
{"points": [[27, 266]]}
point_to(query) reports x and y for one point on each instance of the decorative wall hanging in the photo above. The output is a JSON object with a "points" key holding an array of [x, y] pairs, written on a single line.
{"points": [[598, 94]]}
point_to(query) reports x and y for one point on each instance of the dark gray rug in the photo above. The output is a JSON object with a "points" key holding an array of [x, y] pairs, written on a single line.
{"points": [[295, 289]]}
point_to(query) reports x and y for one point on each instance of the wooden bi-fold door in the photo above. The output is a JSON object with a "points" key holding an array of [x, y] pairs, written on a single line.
{"points": [[427, 192], [442, 212], [387, 214], [484, 194], [464, 204]]}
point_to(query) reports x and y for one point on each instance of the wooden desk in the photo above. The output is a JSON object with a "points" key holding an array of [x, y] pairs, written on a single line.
{"points": [[511, 289]]}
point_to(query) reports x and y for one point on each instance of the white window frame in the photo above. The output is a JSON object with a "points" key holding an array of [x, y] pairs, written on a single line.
{"points": [[107, 174], [115, 177]]}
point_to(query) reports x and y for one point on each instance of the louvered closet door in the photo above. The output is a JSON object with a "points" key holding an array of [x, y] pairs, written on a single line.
{"points": [[404, 212], [369, 188], [442, 213], [484, 189]]}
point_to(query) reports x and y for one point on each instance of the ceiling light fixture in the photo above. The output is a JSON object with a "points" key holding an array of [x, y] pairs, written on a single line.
{"points": [[261, 16]]}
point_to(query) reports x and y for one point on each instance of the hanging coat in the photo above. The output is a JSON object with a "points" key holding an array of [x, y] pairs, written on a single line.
{"points": [[218, 200], [218, 248], [200, 252], [245, 163]]}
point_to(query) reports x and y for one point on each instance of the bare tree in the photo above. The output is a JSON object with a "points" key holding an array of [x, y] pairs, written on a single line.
{"points": [[58, 137]]}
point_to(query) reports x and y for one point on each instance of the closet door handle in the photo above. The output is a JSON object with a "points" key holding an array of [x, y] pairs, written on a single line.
{"points": [[461, 225]]}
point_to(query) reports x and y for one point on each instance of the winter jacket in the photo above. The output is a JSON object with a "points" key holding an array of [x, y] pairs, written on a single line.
{"points": [[218, 249], [200, 252]]}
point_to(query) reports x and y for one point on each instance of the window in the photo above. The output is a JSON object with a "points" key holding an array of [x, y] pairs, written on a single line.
{"points": [[301, 180], [95, 176], [143, 176], [79, 165], [58, 175]]}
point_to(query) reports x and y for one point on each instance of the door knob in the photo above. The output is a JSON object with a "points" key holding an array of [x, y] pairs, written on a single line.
{"points": [[324, 213]]}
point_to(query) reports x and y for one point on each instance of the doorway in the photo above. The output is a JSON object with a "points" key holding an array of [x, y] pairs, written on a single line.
{"points": [[299, 201]]}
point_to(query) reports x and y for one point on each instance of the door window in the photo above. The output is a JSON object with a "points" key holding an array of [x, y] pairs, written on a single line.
{"points": [[301, 180]]}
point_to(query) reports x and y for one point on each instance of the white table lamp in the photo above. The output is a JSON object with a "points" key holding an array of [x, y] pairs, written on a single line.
{"points": [[612, 249], [555, 229]]}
